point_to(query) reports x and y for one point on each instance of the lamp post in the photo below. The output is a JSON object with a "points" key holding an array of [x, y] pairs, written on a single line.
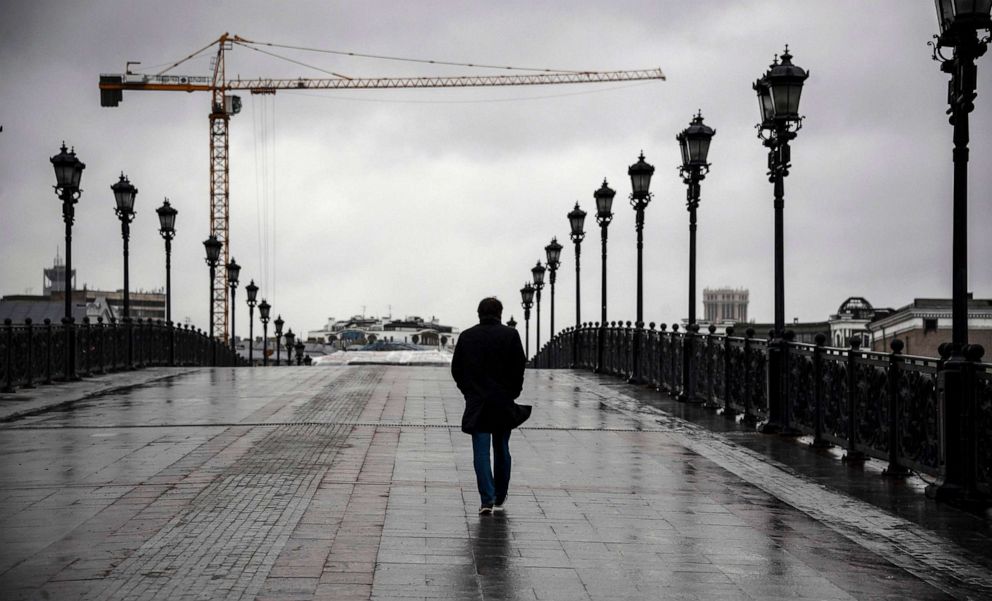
{"points": [[233, 271], [640, 180], [278, 323], [213, 247], [960, 22], [694, 142], [252, 291], [290, 337], [553, 255], [779, 91], [576, 222], [68, 173], [263, 316], [167, 228], [527, 301], [124, 194], [604, 215], [537, 273]]}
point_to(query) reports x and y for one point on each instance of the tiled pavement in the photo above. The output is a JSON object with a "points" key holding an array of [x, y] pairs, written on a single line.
{"points": [[355, 483]]}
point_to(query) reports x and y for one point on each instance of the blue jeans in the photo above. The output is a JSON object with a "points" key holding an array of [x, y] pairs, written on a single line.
{"points": [[489, 489]]}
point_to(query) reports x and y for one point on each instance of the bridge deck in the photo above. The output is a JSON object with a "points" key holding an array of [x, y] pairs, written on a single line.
{"points": [[356, 483]]}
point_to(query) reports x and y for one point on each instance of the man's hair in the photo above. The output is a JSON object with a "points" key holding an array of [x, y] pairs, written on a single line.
{"points": [[490, 307]]}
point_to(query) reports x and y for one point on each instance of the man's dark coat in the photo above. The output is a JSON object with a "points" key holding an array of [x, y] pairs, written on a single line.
{"points": [[488, 367]]}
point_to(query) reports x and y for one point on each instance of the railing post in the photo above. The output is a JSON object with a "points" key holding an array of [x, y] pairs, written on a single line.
{"points": [[894, 469], [750, 417], [710, 401], [86, 345], [677, 385], [728, 411], [48, 351], [852, 455], [9, 379], [818, 441], [101, 338], [29, 330]]}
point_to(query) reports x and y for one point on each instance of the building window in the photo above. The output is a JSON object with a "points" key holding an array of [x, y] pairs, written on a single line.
{"points": [[929, 325]]}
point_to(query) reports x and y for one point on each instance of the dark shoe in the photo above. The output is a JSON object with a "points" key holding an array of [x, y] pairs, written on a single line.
{"points": [[486, 510], [500, 504]]}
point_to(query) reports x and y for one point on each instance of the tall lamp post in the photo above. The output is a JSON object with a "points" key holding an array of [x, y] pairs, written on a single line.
{"points": [[553, 255], [527, 301], [263, 316], [537, 273], [252, 291], [694, 142], [167, 228], [779, 91], [604, 215], [213, 247], [68, 173], [960, 22], [278, 323], [124, 194], [640, 180], [233, 271], [576, 223], [290, 337]]}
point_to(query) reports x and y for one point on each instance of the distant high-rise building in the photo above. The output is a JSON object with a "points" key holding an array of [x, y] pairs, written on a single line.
{"points": [[725, 304], [54, 277]]}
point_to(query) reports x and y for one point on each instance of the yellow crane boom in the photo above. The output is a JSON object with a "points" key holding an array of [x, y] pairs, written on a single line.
{"points": [[223, 106]]}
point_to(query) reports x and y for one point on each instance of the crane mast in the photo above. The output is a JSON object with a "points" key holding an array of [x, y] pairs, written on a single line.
{"points": [[223, 106]]}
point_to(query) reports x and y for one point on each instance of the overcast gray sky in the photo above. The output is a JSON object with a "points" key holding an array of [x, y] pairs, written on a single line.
{"points": [[428, 200]]}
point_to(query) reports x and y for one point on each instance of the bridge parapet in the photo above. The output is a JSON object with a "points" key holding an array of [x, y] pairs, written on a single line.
{"points": [[32, 354], [886, 406]]}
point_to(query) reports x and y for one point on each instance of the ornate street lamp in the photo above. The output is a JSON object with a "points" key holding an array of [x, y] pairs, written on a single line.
{"points": [[300, 348], [537, 272], [233, 271], [68, 173], [263, 316], [252, 291], [527, 301], [694, 142], [290, 337], [124, 194], [278, 323], [576, 223], [960, 22], [604, 215], [640, 180], [779, 91], [553, 255], [212, 246], [167, 228]]}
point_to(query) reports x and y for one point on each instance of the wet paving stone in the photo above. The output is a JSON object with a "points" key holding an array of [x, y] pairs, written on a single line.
{"points": [[356, 483]]}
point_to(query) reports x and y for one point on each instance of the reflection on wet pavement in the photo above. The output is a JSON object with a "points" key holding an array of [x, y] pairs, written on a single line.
{"points": [[356, 483]]}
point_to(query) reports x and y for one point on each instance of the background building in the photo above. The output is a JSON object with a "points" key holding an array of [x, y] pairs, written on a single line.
{"points": [[925, 324], [725, 304]]}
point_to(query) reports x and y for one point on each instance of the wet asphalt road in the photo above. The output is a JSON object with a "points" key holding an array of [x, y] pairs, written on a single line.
{"points": [[356, 483]]}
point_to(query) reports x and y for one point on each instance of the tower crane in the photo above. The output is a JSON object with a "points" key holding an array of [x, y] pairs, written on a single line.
{"points": [[224, 105]]}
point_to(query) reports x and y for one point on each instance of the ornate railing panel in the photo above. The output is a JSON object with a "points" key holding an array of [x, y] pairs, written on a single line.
{"points": [[33, 354]]}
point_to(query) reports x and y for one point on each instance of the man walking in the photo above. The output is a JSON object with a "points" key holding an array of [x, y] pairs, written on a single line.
{"points": [[488, 367]]}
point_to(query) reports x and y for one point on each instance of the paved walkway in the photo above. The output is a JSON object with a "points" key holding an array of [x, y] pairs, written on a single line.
{"points": [[355, 483]]}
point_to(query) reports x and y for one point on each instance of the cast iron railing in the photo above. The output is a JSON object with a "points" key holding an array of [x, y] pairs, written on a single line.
{"points": [[873, 404], [32, 354]]}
